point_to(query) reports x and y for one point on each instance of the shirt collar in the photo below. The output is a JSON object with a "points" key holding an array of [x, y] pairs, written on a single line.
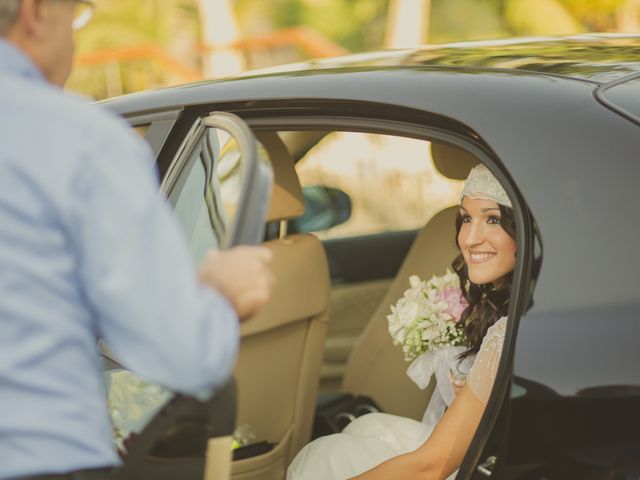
{"points": [[14, 62]]}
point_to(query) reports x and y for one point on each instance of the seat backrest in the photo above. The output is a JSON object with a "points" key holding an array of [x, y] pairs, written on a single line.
{"points": [[281, 348], [376, 367]]}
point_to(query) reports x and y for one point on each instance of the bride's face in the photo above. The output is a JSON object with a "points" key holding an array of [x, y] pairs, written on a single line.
{"points": [[488, 250]]}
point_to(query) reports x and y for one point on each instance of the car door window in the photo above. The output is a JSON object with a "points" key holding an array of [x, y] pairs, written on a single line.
{"points": [[210, 174], [390, 180]]}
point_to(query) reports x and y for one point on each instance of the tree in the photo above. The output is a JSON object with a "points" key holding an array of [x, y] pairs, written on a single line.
{"points": [[407, 23], [168, 26], [219, 33]]}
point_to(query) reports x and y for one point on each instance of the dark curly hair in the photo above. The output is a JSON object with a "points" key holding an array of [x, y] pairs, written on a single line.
{"points": [[489, 302]]}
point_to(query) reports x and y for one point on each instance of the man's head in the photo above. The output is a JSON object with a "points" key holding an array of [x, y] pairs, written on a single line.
{"points": [[43, 30]]}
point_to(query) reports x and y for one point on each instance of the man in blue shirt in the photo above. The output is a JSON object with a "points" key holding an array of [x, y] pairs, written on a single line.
{"points": [[88, 249]]}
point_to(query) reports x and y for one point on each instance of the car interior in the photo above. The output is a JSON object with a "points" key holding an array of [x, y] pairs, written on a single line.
{"points": [[289, 349], [375, 367], [281, 348], [277, 397]]}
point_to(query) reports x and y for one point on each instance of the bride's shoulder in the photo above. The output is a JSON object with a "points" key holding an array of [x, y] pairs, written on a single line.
{"points": [[498, 328], [485, 367], [494, 338]]}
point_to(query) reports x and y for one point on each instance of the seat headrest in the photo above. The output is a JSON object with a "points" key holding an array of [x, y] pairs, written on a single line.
{"points": [[286, 201], [452, 162]]}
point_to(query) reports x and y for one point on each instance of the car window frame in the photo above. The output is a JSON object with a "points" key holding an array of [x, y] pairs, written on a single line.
{"points": [[197, 159], [242, 229], [158, 125], [528, 241]]}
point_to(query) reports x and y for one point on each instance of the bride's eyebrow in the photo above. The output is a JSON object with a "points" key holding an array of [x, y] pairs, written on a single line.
{"points": [[484, 210]]}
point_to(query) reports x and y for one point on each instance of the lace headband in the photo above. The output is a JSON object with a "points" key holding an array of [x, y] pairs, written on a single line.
{"points": [[482, 184]]}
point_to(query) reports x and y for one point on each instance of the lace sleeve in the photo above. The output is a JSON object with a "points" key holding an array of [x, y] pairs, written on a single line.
{"points": [[483, 372]]}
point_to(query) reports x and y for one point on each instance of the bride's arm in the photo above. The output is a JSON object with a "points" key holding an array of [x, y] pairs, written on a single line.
{"points": [[443, 451]]}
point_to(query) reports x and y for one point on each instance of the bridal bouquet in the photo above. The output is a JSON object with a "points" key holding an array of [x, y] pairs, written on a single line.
{"points": [[427, 317], [425, 322]]}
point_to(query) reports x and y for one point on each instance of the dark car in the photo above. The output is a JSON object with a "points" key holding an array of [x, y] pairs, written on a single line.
{"points": [[557, 120]]}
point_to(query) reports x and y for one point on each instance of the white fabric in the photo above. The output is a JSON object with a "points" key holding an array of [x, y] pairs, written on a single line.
{"points": [[364, 443], [482, 184], [483, 372], [376, 437], [442, 363]]}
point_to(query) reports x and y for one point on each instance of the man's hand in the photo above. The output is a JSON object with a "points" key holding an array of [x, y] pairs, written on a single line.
{"points": [[242, 274]]}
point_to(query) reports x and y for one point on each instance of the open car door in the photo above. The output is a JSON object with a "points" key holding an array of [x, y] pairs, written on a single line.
{"points": [[219, 184]]}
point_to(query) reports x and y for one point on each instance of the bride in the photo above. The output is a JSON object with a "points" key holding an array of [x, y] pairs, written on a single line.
{"points": [[383, 446]]}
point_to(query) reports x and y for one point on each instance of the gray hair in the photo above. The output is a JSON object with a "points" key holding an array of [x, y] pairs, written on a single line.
{"points": [[8, 14]]}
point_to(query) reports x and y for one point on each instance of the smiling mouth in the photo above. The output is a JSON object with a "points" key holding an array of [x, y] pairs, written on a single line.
{"points": [[481, 257]]}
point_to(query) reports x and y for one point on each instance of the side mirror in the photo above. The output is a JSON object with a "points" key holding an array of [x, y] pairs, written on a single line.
{"points": [[324, 207]]}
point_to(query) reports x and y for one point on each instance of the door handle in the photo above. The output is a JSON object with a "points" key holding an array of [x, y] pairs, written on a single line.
{"points": [[486, 468]]}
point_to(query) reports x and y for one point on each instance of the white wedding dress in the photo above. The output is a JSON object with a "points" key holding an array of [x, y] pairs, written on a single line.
{"points": [[375, 437]]}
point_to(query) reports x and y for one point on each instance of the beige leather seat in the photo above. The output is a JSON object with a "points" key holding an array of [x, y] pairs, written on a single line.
{"points": [[281, 348], [376, 367]]}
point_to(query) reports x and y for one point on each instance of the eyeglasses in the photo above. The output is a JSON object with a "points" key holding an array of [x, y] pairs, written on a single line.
{"points": [[82, 13]]}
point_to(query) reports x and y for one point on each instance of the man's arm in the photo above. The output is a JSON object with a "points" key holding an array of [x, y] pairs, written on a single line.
{"points": [[137, 274]]}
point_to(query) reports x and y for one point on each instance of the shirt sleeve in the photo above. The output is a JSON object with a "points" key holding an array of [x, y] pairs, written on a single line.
{"points": [[138, 276], [483, 373]]}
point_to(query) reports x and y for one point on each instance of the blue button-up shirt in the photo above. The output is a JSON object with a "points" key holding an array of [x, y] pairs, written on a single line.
{"points": [[88, 249]]}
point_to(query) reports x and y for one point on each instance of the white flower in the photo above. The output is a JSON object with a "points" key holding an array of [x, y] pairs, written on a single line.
{"points": [[407, 312], [432, 332], [421, 321], [396, 330], [415, 282]]}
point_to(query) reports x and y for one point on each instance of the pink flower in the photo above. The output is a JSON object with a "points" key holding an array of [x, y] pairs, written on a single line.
{"points": [[456, 303]]}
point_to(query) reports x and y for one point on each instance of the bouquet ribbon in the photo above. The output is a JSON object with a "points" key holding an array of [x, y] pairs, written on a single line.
{"points": [[439, 363]]}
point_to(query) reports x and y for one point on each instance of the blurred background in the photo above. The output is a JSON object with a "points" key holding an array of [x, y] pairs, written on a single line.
{"points": [[143, 44], [137, 45]]}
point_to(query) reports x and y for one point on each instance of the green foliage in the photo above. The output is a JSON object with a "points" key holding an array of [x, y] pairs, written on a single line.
{"points": [[587, 8], [125, 24], [120, 23], [463, 20], [596, 14], [540, 17], [357, 25]]}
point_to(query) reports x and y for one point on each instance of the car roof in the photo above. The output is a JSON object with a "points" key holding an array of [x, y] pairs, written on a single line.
{"points": [[597, 59], [600, 58]]}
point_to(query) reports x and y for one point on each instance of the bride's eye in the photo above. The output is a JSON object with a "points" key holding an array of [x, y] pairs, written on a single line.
{"points": [[465, 218], [493, 220]]}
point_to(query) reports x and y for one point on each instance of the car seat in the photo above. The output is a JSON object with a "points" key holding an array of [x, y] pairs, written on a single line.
{"points": [[281, 348], [376, 368]]}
